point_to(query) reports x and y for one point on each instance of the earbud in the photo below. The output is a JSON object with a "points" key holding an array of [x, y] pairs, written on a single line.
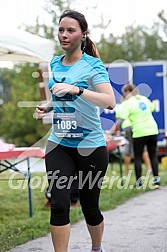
{"points": [[84, 43]]}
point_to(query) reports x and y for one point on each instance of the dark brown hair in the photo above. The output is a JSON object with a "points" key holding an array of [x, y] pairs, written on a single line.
{"points": [[87, 45]]}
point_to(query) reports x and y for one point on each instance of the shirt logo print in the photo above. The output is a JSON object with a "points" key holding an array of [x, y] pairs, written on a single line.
{"points": [[142, 106]]}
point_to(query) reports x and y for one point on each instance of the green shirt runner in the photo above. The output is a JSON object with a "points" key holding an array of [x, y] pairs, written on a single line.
{"points": [[137, 110], [118, 112]]}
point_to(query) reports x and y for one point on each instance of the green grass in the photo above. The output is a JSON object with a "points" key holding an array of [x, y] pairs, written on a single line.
{"points": [[16, 227]]}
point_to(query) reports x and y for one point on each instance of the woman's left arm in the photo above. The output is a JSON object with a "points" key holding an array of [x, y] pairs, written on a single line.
{"points": [[104, 97]]}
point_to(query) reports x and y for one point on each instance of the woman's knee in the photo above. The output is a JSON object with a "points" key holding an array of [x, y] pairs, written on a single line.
{"points": [[93, 216], [59, 213]]}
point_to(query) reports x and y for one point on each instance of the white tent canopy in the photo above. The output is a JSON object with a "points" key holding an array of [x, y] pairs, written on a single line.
{"points": [[18, 45]]}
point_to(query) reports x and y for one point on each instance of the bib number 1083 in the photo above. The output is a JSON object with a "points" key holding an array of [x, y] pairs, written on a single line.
{"points": [[66, 124]]}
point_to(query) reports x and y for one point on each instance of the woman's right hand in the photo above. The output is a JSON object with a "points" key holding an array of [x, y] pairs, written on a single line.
{"points": [[40, 112]]}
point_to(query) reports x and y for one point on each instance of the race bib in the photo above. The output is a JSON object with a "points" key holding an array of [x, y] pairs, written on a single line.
{"points": [[68, 124]]}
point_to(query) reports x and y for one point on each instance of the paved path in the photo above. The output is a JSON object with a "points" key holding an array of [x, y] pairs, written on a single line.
{"points": [[139, 225]]}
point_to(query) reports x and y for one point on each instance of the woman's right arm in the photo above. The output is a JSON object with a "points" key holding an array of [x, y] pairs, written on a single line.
{"points": [[42, 110]]}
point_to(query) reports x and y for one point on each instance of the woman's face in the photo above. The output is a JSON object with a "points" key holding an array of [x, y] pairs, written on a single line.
{"points": [[70, 34]]}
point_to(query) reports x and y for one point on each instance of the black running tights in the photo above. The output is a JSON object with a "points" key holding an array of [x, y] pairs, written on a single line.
{"points": [[62, 166]]}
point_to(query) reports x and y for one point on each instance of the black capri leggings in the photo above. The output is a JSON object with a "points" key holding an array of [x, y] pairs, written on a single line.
{"points": [[62, 165]]}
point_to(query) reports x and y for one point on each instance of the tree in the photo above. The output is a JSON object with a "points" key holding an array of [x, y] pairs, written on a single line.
{"points": [[17, 124], [6, 75], [54, 8], [136, 44], [142, 43], [109, 48], [163, 17]]}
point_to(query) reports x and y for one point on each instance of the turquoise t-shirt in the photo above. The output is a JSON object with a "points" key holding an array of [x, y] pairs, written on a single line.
{"points": [[138, 109], [76, 121]]}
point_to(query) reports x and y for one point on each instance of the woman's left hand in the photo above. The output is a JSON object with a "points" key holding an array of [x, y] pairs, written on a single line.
{"points": [[60, 89]]}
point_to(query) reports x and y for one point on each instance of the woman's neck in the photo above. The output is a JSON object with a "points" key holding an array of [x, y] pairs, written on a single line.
{"points": [[70, 59]]}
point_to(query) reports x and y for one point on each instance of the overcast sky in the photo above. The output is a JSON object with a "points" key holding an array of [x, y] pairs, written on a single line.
{"points": [[122, 13]]}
